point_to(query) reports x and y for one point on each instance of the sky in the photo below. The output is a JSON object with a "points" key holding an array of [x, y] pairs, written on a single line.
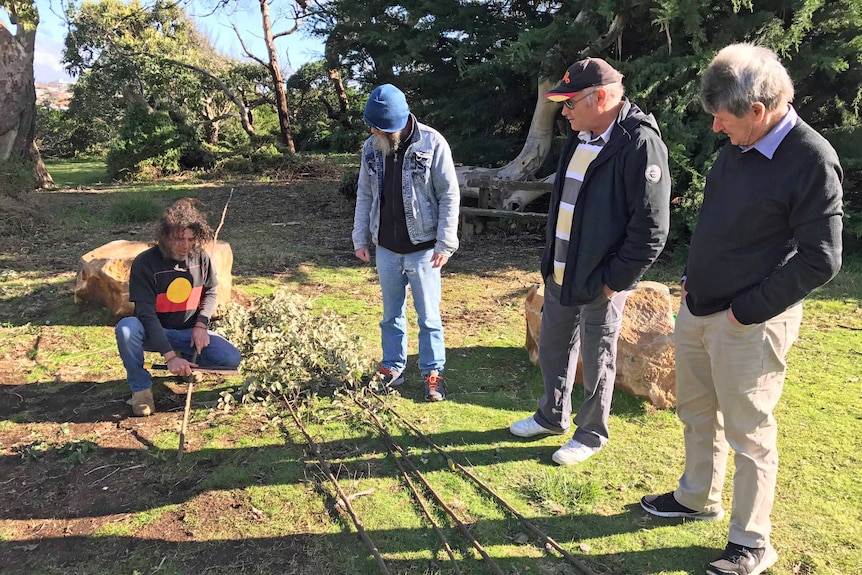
{"points": [[293, 50]]}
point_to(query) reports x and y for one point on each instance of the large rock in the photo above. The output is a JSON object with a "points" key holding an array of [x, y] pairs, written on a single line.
{"points": [[103, 275], [645, 363]]}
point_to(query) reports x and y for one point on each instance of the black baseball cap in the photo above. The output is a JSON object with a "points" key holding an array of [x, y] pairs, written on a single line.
{"points": [[584, 74]]}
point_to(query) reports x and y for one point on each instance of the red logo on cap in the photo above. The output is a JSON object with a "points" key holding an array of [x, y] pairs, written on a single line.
{"points": [[566, 77]]}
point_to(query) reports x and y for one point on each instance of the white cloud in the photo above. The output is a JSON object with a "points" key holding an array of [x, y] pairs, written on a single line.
{"points": [[47, 66]]}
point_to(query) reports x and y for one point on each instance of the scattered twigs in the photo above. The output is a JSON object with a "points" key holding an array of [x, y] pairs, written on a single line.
{"points": [[102, 467], [353, 496], [584, 569], [850, 327], [327, 469], [20, 398], [96, 482], [391, 446]]}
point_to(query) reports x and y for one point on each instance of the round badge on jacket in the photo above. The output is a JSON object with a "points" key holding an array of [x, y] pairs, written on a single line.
{"points": [[652, 174]]}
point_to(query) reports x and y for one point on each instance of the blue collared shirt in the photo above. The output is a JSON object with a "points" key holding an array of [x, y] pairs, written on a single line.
{"points": [[770, 142]]}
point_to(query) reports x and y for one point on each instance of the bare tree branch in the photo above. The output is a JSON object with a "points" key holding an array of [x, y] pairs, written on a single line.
{"points": [[243, 111], [247, 51], [287, 32]]}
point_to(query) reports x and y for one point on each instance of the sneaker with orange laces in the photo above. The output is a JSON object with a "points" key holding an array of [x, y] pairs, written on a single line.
{"points": [[435, 388]]}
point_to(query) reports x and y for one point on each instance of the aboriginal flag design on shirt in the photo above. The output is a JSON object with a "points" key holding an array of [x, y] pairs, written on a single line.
{"points": [[177, 298], [174, 290]]}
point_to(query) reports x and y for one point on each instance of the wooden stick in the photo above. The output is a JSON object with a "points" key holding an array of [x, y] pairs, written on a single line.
{"points": [[578, 564], [390, 444], [186, 414], [221, 223], [327, 469]]}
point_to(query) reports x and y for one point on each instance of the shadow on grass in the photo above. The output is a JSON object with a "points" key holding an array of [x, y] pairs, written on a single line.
{"points": [[318, 553], [90, 401], [51, 303], [502, 378]]}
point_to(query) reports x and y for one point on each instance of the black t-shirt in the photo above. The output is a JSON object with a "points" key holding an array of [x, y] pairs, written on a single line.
{"points": [[393, 233]]}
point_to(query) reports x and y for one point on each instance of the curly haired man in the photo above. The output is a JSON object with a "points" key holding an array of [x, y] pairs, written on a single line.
{"points": [[172, 285]]}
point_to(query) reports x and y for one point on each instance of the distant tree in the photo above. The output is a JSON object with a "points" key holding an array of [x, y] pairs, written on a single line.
{"points": [[153, 59], [323, 120], [18, 152], [292, 14]]}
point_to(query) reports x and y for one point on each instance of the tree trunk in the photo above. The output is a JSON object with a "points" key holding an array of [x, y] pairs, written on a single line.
{"points": [[524, 166], [341, 93], [277, 79], [539, 138], [18, 90]]}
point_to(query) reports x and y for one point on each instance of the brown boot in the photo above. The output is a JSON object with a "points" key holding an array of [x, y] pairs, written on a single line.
{"points": [[142, 403]]}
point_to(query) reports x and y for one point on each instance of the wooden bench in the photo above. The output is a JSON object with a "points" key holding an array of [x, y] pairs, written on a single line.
{"points": [[490, 201]]}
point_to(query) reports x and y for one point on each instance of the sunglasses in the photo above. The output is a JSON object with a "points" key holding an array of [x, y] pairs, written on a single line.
{"points": [[570, 104]]}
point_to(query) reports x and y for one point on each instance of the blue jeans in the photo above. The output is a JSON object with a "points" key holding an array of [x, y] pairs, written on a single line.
{"points": [[396, 272], [132, 342]]}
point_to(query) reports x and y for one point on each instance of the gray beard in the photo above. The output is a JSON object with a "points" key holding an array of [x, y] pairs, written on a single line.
{"points": [[386, 143]]}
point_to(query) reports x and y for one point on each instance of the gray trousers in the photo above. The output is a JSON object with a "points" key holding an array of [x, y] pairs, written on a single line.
{"points": [[590, 331]]}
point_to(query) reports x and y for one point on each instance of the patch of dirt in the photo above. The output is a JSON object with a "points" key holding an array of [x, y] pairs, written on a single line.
{"points": [[54, 499]]}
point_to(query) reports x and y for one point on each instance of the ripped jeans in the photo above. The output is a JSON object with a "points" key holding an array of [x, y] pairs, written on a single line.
{"points": [[396, 272]]}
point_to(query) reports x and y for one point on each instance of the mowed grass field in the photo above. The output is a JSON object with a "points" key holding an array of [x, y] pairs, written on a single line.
{"points": [[86, 488]]}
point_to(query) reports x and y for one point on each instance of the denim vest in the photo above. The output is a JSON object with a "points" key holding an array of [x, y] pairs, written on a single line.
{"points": [[429, 187]]}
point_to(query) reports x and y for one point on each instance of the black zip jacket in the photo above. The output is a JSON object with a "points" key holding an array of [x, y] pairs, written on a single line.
{"points": [[622, 214]]}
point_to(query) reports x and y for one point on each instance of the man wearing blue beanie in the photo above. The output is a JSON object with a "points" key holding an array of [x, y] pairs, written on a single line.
{"points": [[407, 206]]}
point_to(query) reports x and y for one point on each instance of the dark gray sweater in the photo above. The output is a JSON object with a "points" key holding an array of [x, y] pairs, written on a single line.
{"points": [[769, 231]]}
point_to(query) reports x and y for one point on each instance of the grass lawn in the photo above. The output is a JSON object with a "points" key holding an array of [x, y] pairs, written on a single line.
{"points": [[88, 489], [77, 172]]}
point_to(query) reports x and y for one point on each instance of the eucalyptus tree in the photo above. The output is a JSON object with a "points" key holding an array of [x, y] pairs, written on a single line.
{"points": [[18, 152], [277, 20]]}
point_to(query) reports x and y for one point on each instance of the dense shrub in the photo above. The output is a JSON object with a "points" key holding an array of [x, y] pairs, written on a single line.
{"points": [[349, 185], [153, 145], [62, 134], [16, 176]]}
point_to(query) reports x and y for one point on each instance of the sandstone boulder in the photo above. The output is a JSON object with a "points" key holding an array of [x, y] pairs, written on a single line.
{"points": [[103, 275], [645, 363]]}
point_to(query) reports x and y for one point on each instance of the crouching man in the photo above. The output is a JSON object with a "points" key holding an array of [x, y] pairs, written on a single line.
{"points": [[172, 285]]}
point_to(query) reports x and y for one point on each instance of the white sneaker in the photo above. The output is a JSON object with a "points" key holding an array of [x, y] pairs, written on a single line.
{"points": [[530, 428], [574, 452]]}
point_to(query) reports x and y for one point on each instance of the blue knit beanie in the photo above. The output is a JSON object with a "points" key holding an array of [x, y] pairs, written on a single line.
{"points": [[387, 109]]}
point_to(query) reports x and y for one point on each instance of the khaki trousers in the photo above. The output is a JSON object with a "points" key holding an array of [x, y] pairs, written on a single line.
{"points": [[729, 379]]}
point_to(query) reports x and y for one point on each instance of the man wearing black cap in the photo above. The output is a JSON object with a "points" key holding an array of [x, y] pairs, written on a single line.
{"points": [[407, 204], [607, 223]]}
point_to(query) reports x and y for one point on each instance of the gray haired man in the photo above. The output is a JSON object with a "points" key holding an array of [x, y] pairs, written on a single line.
{"points": [[607, 223], [768, 233]]}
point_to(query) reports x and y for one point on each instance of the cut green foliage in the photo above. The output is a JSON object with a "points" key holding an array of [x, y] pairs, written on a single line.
{"points": [[289, 349], [76, 451]]}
